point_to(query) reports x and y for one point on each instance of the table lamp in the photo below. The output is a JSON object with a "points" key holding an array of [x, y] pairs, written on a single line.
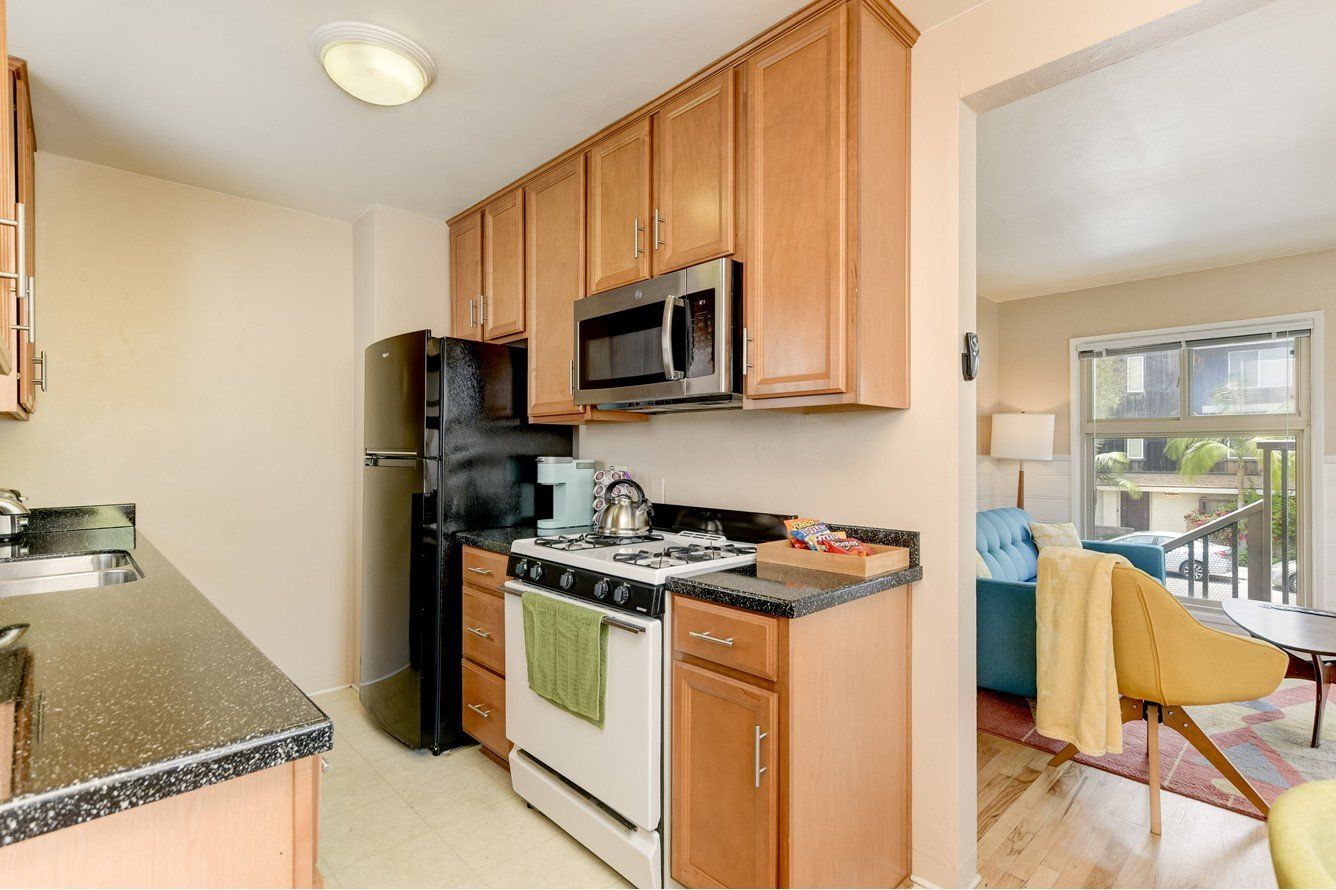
{"points": [[1022, 437]]}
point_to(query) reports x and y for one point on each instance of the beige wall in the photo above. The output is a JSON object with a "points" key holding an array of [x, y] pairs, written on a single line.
{"points": [[1034, 335], [200, 367]]}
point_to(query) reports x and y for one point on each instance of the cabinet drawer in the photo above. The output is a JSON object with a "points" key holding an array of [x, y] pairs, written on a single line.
{"points": [[731, 637], [485, 629], [485, 707], [482, 568]]}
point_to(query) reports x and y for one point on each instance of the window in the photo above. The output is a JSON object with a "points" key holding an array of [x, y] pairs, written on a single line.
{"points": [[1178, 432], [1136, 374]]}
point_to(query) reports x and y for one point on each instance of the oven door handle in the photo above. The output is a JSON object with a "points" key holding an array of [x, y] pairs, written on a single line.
{"points": [[670, 371]]}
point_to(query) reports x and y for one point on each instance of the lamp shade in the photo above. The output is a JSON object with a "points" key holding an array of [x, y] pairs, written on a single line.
{"points": [[1022, 436]]}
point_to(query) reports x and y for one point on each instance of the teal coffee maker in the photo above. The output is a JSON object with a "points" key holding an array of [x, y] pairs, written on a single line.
{"points": [[572, 484]]}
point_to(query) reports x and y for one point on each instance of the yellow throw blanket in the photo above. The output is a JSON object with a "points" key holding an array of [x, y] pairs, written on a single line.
{"points": [[1078, 685]]}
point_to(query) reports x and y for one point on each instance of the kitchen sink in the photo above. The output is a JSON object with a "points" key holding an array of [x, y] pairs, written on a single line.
{"points": [[52, 573]]}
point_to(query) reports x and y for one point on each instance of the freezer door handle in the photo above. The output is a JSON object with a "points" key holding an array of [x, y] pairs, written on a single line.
{"points": [[389, 458]]}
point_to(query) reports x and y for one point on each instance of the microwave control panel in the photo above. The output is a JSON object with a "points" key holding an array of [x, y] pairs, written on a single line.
{"points": [[700, 327]]}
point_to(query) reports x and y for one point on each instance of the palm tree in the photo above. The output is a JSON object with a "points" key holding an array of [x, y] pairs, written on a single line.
{"points": [[1110, 470], [1198, 455]]}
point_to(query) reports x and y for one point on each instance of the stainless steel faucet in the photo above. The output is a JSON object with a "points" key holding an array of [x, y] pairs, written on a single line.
{"points": [[13, 514]]}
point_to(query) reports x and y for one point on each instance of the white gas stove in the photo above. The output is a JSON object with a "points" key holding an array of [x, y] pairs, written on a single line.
{"points": [[605, 785]]}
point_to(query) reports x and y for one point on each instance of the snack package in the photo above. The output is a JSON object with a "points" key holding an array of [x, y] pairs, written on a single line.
{"points": [[812, 534]]}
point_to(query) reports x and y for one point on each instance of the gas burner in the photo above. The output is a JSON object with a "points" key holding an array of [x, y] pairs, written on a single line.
{"points": [[593, 540], [706, 552], [648, 559]]}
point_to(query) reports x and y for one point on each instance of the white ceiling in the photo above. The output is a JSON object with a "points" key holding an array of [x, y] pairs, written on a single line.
{"points": [[226, 95], [1218, 148]]}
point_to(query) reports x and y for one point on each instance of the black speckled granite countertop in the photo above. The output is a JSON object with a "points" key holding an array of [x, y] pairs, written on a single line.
{"points": [[767, 588], [133, 692], [498, 540]]}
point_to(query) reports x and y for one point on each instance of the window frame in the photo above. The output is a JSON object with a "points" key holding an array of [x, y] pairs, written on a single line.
{"points": [[1300, 423]]}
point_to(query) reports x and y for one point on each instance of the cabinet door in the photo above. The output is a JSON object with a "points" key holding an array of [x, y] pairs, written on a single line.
{"points": [[503, 267], [26, 146], [466, 277], [797, 301], [725, 809], [619, 181], [554, 249], [8, 238], [694, 139]]}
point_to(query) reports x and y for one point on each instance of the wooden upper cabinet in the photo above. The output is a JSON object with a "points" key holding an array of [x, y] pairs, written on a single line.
{"points": [[694, 175], [466, 276], [796, 291], [554, 251], [619, 208], [18, 388], [725, 808], [503, 267], [8, 238]]}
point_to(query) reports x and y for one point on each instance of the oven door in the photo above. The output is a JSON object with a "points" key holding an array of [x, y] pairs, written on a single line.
{"points": [[667, 339], [618, 765]]}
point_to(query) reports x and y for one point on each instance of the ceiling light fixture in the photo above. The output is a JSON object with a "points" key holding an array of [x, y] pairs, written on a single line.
{"points": [[372, 63]]}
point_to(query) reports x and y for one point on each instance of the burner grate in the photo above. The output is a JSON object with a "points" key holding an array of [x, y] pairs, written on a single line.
{"points": [[593, 540]]}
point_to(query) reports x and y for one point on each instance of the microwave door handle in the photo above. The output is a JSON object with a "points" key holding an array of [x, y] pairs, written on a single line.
{"points": [[670, 371]]}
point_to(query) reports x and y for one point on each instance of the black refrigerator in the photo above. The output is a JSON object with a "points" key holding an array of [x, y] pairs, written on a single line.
{"points": [[447, 447]]}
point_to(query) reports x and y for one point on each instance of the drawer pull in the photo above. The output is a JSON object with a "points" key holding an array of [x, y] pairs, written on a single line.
{"points": [[477, 571], [759, 769], [480, 712], [479, 632], [705, 635]]}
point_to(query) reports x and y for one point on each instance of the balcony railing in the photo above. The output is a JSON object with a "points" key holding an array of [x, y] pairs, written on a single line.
{"points": [[1248, 523], [1251, 529]]}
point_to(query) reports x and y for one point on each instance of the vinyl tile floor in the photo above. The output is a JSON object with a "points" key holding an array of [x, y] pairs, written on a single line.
{"points": [[393, 817]]}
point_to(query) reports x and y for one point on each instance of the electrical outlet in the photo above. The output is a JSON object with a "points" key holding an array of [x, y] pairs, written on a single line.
{"points": [[657, 488]]}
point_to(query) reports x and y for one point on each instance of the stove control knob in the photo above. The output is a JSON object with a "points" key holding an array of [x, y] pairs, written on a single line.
{"points": [[567, 580], [521, 568], [601, 589], [536, 571], [621, 594]]}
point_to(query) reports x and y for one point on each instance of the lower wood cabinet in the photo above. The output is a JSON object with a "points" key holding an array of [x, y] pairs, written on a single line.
{"points": [[483, 669], [257, 830], [725, 809], [790, 745]]}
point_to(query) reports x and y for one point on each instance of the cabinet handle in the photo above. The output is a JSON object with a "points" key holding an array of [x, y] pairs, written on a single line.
{"points": [[658, 222], [636, 229], [570, 379], [757, 763], [473, 314], [477, 571], [705, 635], [41, 360], [479, 632], [480, 712], [746, 352]]}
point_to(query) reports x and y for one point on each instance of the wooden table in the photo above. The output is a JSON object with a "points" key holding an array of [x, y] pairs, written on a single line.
{"points": [[1306, 632]]}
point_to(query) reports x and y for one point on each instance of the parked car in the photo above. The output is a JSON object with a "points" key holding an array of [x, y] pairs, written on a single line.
{"points": [[1180, 561], [1285, 576]]}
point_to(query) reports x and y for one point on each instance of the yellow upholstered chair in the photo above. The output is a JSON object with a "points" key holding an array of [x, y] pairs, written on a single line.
{"points": [[1302, 832], [1166, 660]]}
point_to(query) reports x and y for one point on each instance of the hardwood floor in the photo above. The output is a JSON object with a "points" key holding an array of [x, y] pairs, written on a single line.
{"points": [[1075, 826]]}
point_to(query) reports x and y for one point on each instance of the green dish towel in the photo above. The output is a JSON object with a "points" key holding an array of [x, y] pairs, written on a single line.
{"points": [[566, 652]]}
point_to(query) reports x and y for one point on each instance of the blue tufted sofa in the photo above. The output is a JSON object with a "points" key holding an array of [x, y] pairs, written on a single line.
{"points": [[1005, 602]]}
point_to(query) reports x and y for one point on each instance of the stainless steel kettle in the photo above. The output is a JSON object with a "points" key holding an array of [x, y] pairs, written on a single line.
{"points": [[624, 517]]}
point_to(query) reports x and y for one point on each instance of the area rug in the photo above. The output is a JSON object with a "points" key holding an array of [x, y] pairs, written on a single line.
{"points": [[1266, 740]]}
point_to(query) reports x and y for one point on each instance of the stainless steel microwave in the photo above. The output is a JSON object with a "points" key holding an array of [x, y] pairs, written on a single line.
{"points": [[671, 343]]}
